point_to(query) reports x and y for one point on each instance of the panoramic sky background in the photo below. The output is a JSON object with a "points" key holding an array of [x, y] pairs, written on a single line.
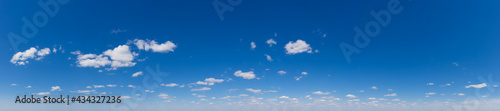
{"points": [[253, 55]]}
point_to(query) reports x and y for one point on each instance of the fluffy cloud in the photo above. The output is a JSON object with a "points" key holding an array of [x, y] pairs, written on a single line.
{"points": [[281, 72], [268, 58], [201, 89], [254, 90], [120, 56], [374, 87], [271, 42], [137, 74], [252, 45], [210, 81], [299, 46], [477, 86], [430, 84], [21, 58], [55, 88], [350, 96], [304, 73], [245, 75], [321, 93], [393, 94], [154, 46]]}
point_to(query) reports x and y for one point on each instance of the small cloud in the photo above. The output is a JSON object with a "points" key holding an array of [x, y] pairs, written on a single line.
{"points": [[27, 87], [55, 88], [281, 72], [201, 89], [271, 42], [430, 93], [461, 94], [111, 85], [137, 74], [374, 87], [393, 94], [321, 93], [268, 58], [43, 93], [254, 90], [171, 85], [477, 86], [350, 96], [245, 75], [13, 84], [152, 45], [252, 45], [430, 84]]}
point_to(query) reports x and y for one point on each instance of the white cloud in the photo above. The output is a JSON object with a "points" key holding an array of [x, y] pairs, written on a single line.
{"points": [[372, 98], [284, 97], [92, 60], [213, 80], [201, 89], [154, 46], [281, 72], [430, 93], [393, 94], [171, 85], [268, 58], [321, 93], [297, 47], [84, 91], [13, 84], [252, 45], [271, 42], [430, 84], [43, 93], [137, 74], [125, 97], [461, 94], [27, 87], [120, 56], [245, 75], [477, 85], [304, 73], [21, 58], [111, 85], [98, 86], [374, 87], [350, 96], [131, 86], [164, 96], [55, 88], [253, 90]]}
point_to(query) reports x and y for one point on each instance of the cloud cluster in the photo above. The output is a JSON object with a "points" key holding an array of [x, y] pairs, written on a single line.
{"points": [[21, 58], [152, 45], [120, 56]]}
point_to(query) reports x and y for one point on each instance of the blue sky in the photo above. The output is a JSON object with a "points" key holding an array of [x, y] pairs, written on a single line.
{"points": [[429, 53]]}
